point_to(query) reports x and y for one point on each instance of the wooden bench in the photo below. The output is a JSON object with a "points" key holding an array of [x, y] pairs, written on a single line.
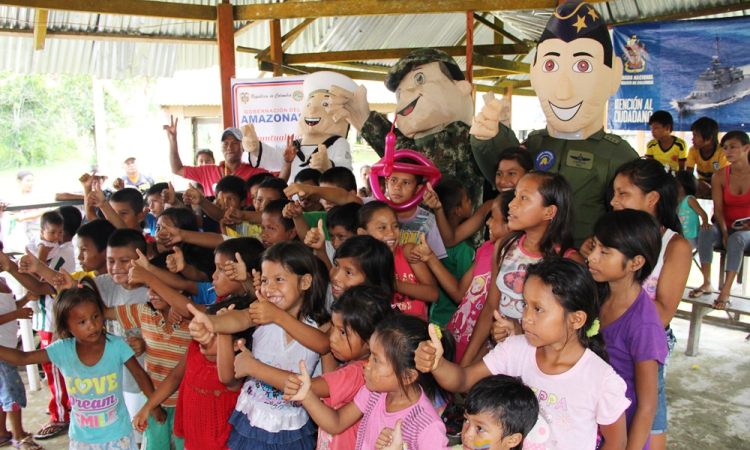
{"points": [[701, 307]]}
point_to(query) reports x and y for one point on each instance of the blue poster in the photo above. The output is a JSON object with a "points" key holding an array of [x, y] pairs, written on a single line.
{"points": [[690, 68]]}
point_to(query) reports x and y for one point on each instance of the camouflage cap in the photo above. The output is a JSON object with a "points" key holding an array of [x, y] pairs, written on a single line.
{"points": [[422, 56]]}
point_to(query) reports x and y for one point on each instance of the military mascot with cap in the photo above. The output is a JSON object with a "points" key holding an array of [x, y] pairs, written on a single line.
{"points": [[574, 73], [434, 108], [322, 143]]}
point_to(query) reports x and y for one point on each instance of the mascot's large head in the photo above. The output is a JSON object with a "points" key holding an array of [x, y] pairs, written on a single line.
{"points": [[574, 71], [431, 92], [315, 120]]}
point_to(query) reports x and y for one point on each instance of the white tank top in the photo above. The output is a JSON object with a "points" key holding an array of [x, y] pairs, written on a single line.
{"points": [[650, 283]]}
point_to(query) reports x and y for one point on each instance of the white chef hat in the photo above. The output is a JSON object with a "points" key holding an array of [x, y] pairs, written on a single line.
{"points": [[322, 81]]}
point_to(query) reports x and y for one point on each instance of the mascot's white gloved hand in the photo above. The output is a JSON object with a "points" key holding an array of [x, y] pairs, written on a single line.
{"points": [[484, 126], [249, 139], [352, 106], [319, 160]]}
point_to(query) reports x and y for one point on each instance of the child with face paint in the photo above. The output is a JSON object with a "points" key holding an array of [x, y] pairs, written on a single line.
{"points": [[394, 390], [499, 413]]}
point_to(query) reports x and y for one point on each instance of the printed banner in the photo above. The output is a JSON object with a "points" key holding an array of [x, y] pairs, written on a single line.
{"points": [[690, 68], [272, 105]]}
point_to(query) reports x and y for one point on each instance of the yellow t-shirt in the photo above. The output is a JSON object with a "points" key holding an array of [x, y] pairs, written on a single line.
{"points": [[673, 155], [706, 167], [244, 229]]}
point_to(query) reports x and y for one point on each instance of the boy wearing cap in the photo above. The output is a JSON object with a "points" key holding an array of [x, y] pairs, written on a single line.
{"points": [[133, 178], [210, 174]]}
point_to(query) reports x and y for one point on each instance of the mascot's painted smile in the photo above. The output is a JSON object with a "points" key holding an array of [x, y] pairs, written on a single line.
{"points": [[409, 108], [565, 114], [312, 121]]}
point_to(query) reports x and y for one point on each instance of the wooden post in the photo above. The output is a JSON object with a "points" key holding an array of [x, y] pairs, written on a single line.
{"points": [[225, 38], [469, 53], [277, 55], [40, 28]]}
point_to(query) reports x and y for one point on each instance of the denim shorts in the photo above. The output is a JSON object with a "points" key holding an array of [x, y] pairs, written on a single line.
{"points": [[12, 391], [660, 420]]}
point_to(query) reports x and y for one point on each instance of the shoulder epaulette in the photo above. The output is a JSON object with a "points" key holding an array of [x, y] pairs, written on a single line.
{"points": [[613, 138], [537, 132]]}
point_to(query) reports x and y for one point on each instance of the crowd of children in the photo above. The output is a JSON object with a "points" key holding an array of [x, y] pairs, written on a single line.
{"points": [[252, 313]]}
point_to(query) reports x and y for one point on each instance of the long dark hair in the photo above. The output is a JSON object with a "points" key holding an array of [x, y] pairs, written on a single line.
{"points": [[298, 259], [649, 176], [575, 290], [374, 259], [558, 237], [85, 292], [362, 308], [365, 213], [631, 233], [400, 336]]}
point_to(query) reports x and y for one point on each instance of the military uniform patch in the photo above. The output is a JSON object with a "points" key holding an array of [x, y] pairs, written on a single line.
{"points": [[544, 160], [579, 159]]}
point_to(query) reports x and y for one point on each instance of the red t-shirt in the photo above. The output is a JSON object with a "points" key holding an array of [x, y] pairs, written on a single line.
{"points": [[343, 385], [209, 175], [406, 304]]}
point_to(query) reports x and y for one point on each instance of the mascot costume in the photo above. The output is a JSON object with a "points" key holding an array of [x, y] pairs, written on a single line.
{"points": [[434, 108], [574, 73], [322, 142]]}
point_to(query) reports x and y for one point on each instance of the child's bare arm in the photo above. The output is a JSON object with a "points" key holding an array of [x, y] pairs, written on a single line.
{"points": [[27, 281], [333, 421], [43, 253], [31, 264], [139, 275], [426, 290], [225, 362], [230, 322], [337, 196], [21, 358], [166, 388], [316, 339], [315, 238], [20, 313], [615, 435], [173, 235], [453, 287], [141, 377], [97, 199], [171, 279], [693, 203]]}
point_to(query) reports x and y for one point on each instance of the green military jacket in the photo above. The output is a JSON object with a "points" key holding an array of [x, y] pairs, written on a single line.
{"points": [[589, 166], [449, 149]]}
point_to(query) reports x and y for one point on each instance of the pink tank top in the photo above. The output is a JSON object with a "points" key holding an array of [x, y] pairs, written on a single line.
{"points": [[404, 273], [735, 206]]}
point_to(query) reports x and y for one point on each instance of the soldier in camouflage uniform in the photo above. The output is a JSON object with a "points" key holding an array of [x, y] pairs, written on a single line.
{"points": [[573, 74], [433, 114]]}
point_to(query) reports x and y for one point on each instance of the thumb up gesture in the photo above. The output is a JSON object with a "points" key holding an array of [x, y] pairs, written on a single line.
{"points": [[319, 160], [249, 139]]}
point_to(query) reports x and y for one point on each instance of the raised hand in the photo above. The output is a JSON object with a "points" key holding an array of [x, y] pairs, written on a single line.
{"points": [[431, 198], [292, 210], [256, 280], [28, 263], [316, 237], [138, 345], [169, 235], [249, 138], [319, 160], [352, 106], [243, 361], [429, 353], [63, 280], [304, 384], [262, 311], [169, 195], [296, 189], [174, 318], [24, 313], [118, 184], [391, 439], [176, 261], [192, 196], [201, 327], [96, 197], [421, 251], [236, 271], [142, 260], [86, 180], [290, 151], [485, 125], [137, 274], [502, 327], [5, 262], [171, 129], [231, 217]]}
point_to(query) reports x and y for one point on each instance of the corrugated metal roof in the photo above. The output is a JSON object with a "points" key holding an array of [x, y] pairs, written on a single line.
{"points": [[122, 59]]}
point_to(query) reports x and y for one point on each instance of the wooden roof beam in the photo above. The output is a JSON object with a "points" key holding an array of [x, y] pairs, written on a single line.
{"points": [[145, 8], [245, 28], [501, 90], [287, 39], [267, 66], [344, 8], [40, 28], [497, 29], [501, 64], [115, 37], [396, 53]]}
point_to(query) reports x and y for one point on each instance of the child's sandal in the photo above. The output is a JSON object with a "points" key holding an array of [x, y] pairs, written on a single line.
{"points": [[26, 443]]}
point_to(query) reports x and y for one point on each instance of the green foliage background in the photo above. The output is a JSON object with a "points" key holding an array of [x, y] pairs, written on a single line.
{"points": [[49, 118]]}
